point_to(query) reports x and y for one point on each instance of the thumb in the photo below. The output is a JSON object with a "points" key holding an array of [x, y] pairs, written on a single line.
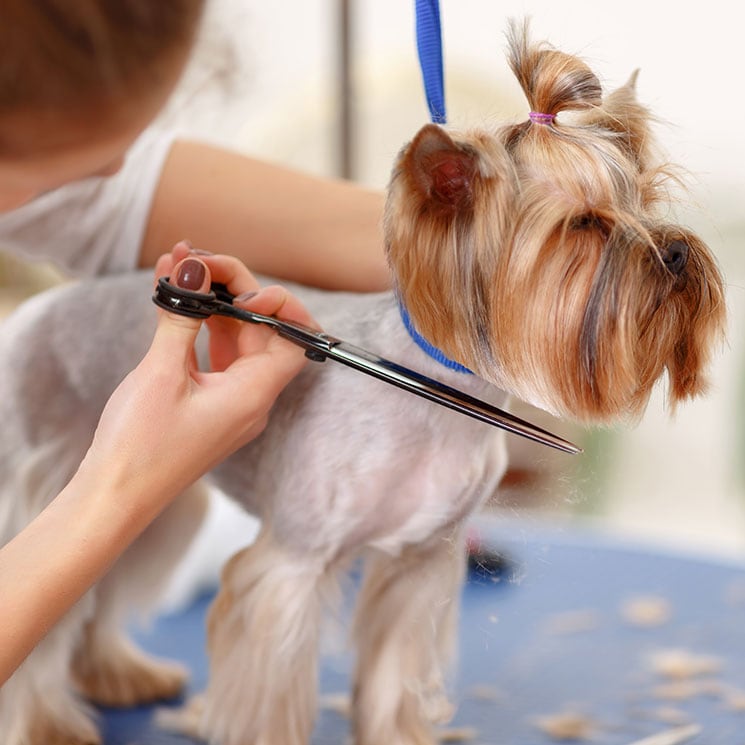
{"points": [[176, 334]]}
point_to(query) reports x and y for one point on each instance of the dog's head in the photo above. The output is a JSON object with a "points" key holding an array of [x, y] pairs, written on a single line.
{"points": [[540, 254]]}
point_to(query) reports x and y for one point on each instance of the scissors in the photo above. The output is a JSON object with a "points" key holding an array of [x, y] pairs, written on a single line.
{"points": [[320, 346]]}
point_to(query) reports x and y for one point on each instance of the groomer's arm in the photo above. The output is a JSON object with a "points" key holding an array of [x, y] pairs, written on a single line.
{"points": [[278, 221]]}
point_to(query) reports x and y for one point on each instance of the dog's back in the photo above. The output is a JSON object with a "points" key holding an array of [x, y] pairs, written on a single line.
{"points": [[63, 352]]}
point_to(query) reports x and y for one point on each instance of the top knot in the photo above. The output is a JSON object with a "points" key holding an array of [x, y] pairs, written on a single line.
{"points": [[552, 81]]}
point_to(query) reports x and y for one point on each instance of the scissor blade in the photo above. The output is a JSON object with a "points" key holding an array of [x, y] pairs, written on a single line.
{"points": [[409, 380], [445, 395]]}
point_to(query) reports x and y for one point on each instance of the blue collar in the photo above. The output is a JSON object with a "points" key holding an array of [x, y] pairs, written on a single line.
{"points": [[428, 348]]}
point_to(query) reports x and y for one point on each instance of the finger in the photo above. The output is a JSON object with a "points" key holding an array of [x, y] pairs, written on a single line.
{"points": [[280, 302], [166, 262], [163, 267], [228, 338], [224, 334], [228, 270], [181, 250], [231, 272], [270, 301], [269, 371], [175, 334]]}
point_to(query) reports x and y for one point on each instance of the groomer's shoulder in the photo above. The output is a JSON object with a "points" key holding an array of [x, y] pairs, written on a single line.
{"points": [[93, 226]]}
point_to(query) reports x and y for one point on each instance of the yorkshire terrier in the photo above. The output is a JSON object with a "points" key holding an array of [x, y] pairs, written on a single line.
{"points": [[539, 255]]}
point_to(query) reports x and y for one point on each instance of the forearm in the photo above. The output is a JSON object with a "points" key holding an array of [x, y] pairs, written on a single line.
{"points": [[50, 565], [279, 222]]}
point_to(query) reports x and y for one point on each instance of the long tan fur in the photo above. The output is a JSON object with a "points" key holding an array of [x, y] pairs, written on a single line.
{"points": [[556, 232]]}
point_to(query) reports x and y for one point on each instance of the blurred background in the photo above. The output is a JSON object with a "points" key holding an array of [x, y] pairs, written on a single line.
{"points": [[333, 87]]}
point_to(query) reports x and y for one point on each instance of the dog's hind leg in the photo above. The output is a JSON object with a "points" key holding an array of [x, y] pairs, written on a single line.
{"points": [[405, 624], [108, 668], [263, 636], [38, 705]]}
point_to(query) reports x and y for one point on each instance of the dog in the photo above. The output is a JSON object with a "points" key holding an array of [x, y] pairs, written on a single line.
{"points": [[537, 255]]}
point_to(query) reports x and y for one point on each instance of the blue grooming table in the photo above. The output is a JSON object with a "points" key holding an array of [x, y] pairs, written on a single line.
{"points": [[547, 634]]}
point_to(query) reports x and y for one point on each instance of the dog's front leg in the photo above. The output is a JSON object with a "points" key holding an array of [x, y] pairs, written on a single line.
{"points": [[263, 631], [404, 631]]}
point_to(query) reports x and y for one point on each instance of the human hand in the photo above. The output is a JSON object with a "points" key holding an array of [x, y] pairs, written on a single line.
{"points": [[168, 422]]}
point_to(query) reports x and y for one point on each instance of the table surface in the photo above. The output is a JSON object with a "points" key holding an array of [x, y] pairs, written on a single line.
{"points": [[620, 642]]}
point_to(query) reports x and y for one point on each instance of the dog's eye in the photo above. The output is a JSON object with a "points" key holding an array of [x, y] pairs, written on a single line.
{"points": [[587, 221], [675, 257]]}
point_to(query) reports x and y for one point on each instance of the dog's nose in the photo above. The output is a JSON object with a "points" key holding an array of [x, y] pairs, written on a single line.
{"points": [[675, 256]]}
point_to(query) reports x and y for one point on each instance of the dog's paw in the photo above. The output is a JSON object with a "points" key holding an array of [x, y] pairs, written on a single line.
{"points": [[183, 720], [52, 732], [436, 706], [122, 675]]}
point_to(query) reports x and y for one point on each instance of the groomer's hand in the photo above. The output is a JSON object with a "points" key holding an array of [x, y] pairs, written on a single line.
{"points": [[168, 422]]}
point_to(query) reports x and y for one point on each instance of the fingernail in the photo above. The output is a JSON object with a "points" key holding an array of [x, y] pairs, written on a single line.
{"points": [[245, 296], [190, 275], [199, 251]]}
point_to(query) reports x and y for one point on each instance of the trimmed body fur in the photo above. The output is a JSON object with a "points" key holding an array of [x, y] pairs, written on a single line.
{"points": [[347, 465]]}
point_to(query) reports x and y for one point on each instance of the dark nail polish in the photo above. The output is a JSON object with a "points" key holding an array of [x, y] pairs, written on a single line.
{"points": [[190, 275]]}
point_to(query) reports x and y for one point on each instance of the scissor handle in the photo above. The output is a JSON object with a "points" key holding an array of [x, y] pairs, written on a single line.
{"points": [[184, 302], [219, 301]]}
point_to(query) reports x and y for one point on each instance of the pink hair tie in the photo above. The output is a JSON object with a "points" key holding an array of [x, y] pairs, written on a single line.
{"points": [[539, 118]]}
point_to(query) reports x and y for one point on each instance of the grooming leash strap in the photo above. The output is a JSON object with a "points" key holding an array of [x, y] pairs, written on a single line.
{"points": [[429, 46]]}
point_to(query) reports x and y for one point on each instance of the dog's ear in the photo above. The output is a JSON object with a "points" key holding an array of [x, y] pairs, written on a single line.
{"points": [[622, 114], [701, 302], [442, 169]]}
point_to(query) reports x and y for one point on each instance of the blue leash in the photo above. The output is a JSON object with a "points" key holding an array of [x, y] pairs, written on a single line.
{"points": [[429, 46]]}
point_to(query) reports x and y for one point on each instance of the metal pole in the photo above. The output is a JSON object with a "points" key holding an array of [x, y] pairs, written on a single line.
{"points": [[345, 94]]}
